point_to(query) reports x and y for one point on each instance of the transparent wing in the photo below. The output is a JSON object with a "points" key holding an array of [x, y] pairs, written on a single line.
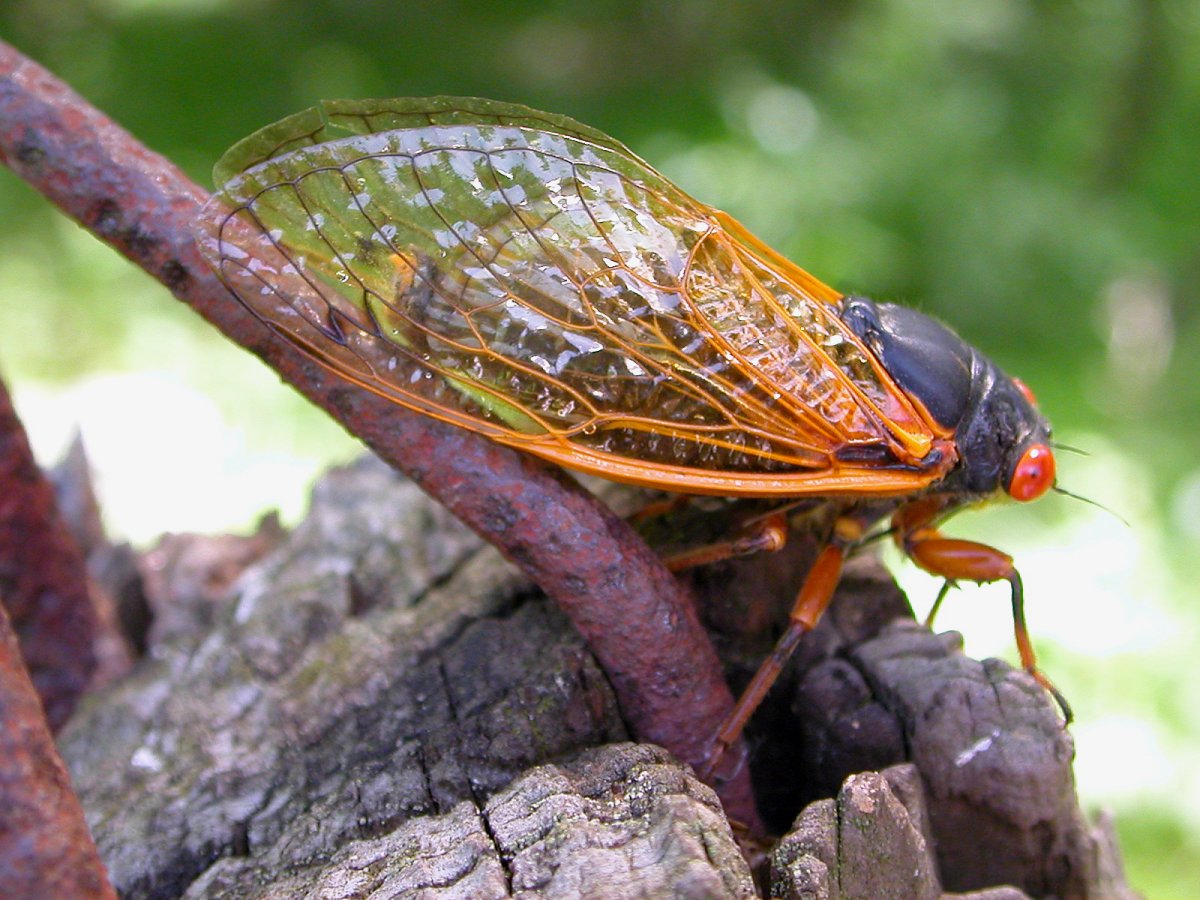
{"points": [[531, 279]]}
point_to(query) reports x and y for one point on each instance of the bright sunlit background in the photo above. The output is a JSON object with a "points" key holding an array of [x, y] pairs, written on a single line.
{"points": [[1027, 171]]}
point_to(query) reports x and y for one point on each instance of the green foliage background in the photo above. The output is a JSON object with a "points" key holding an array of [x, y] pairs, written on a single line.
{"points": [[1026, 170]]}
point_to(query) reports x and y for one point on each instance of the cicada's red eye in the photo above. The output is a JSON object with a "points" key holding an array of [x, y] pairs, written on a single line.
{"points": [[1034, 474], [1025, 391]]}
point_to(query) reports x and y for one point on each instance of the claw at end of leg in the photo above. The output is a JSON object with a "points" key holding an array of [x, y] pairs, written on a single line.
{"points": [[723, 761], [1048, 686]]}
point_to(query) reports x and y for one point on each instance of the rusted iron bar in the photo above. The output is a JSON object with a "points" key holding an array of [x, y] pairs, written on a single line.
{"points": [[637, 618], [45, 847], [43, 577]]}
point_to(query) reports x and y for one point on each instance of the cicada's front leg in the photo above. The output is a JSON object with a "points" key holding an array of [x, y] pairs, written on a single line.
{"points": [[958, 560]]}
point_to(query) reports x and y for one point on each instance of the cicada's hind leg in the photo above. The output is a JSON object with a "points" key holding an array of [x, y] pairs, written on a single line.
{"points": [[656, 508], [766, 534], [811, 602], [698, 544], [958, 560]]}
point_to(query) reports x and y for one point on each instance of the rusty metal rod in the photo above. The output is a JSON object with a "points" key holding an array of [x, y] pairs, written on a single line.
{"points": [[637, 618], [43, 577]]}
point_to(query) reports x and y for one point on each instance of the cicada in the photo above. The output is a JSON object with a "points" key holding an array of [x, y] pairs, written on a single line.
{"points": [[531, 279]]}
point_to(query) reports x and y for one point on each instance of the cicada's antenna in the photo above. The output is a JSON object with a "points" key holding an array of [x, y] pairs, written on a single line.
{"points": [[1057, 446], [1087, 500], [1091, 502]]}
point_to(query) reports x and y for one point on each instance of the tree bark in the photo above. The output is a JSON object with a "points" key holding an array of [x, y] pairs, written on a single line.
{"points": [[380, 706]]}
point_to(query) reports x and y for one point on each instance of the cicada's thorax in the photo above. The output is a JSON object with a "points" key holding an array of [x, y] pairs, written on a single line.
{"points": [[999, 434]]}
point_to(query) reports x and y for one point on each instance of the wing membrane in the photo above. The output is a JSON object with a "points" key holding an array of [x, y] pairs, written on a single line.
{"points": [[531, 279]]}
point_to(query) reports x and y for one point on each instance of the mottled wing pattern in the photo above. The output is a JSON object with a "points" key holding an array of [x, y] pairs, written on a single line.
{"points": [[531, 279]]}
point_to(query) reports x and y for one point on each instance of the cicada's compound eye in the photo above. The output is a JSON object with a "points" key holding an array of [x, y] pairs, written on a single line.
{"points": [[1026, 392], [1034, 473]]}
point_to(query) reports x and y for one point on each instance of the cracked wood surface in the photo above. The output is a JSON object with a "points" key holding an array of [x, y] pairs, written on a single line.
{"points": [[380, 707]]}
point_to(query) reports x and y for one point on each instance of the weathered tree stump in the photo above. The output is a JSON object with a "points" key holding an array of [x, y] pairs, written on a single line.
{"points": [[379, 706]]}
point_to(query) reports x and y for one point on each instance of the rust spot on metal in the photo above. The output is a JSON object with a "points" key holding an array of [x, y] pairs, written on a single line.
{"points": [[30, 152], [175, 275], [500, 517], [104, 218]]}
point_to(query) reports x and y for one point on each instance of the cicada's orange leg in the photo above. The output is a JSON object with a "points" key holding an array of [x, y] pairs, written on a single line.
{"points": [[765, 535], [959, 560], [656, 508], [811, 603]]}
